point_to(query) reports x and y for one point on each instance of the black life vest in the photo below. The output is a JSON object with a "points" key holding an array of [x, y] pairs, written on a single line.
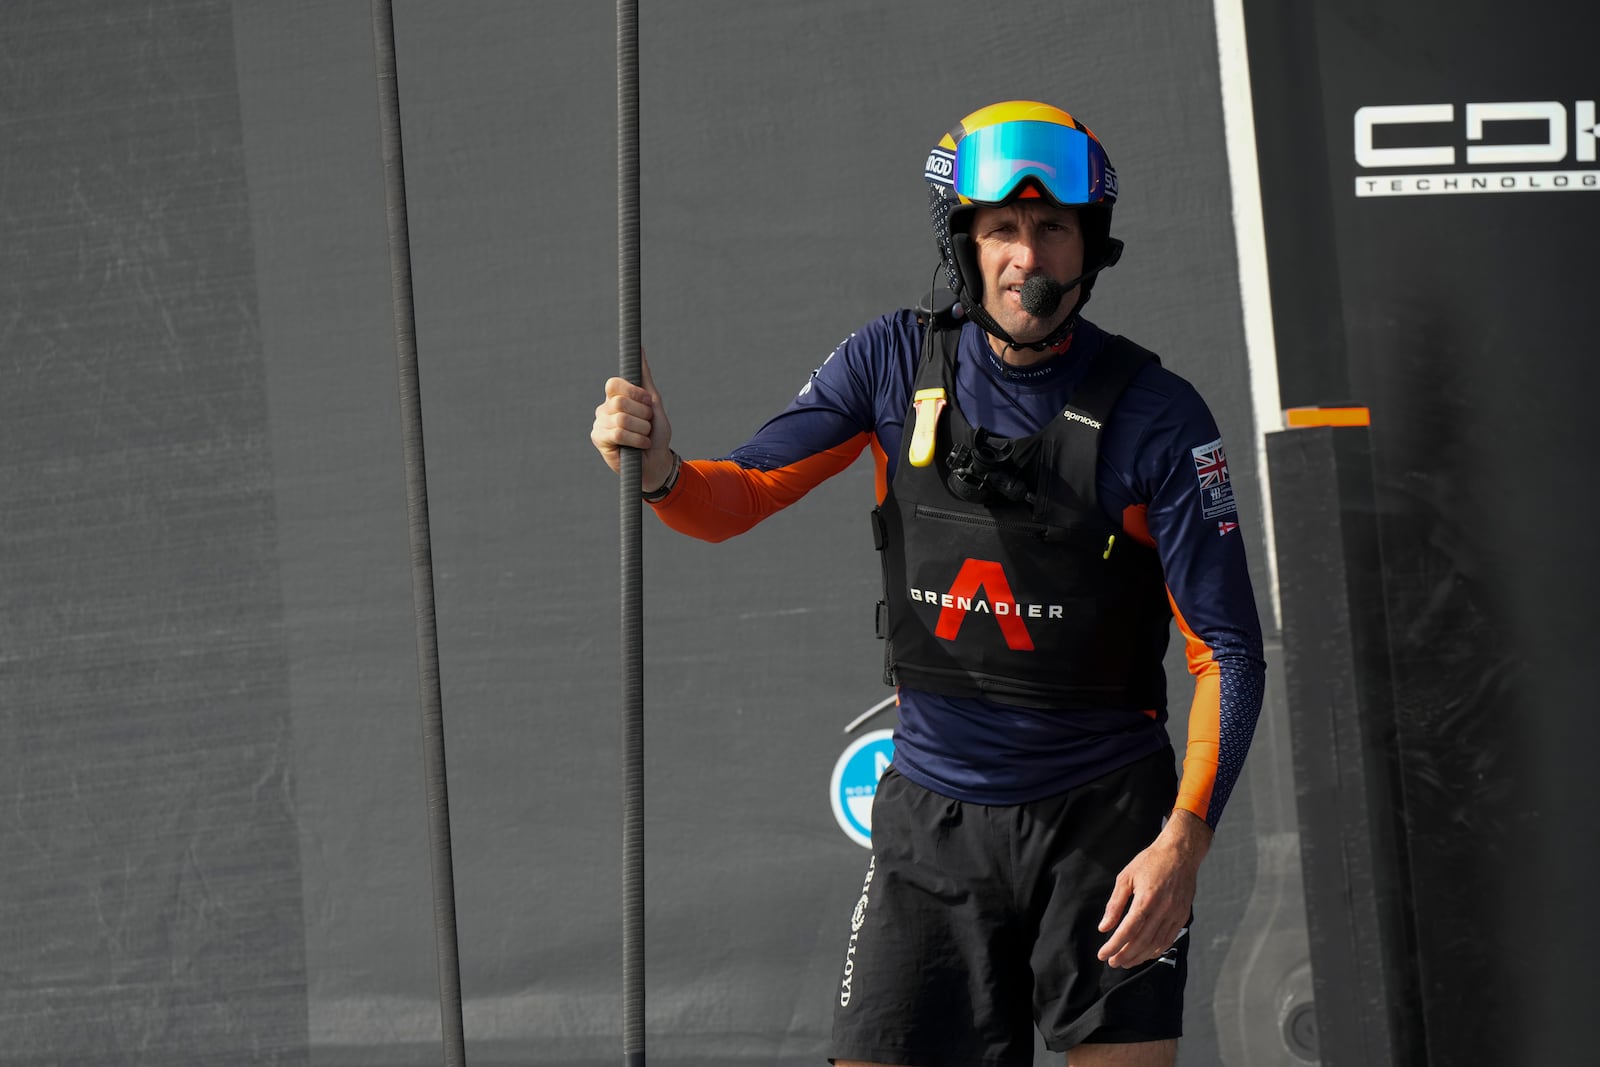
{"points": [[1035, 599]]}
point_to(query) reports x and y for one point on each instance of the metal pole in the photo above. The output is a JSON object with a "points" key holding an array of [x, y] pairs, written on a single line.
{"points": [[632, 564], [405, 330]]}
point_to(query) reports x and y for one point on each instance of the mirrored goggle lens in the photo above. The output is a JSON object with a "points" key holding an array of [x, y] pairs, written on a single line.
{"points": [[992, 161]]}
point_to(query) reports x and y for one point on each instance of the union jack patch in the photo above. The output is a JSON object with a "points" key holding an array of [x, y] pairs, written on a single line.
{"points": [[1211, 470]]}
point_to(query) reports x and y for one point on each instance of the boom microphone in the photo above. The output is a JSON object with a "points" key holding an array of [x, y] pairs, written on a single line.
{"points": [[1041, 295]]}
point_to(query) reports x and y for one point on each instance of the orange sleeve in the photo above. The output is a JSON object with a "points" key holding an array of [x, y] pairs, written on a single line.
{"points": [[1204, 750], [717, 499], [1205, 723]]}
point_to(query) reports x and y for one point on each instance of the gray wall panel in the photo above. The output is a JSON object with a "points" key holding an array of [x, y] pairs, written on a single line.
{"points": [[309, 103], [150, 890]]}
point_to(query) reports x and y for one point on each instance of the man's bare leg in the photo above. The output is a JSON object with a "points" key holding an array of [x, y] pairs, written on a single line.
{"points": [[1138, 1054]]}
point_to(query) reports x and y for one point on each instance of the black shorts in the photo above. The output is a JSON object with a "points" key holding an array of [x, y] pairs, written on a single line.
{"points": [[977, 923]]}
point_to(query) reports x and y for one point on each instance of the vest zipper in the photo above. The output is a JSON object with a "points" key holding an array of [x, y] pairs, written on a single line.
{"points": [[928, 511]]}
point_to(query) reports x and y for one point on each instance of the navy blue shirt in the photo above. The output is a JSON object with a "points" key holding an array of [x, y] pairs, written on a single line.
{"points": [[1162, 477]]}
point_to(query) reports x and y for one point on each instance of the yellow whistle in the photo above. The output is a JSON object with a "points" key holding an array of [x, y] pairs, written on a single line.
{"points": [[929, 403], [1109, 542]]}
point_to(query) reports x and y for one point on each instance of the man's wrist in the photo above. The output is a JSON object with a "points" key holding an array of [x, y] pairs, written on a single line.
{"points": [[1188, 831], [660, 492]]}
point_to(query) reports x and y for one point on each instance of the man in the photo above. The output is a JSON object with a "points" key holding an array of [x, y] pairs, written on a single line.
{"points": [[1049, 498]]}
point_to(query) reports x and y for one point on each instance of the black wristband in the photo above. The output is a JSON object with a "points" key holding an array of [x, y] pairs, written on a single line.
{"points": [[659, 493]]}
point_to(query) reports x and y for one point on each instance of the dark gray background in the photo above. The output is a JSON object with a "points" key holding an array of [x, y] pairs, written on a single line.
{"points": [[214, 826]]}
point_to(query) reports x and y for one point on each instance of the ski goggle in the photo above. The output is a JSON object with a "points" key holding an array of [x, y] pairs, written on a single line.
{"points": [[992, 161]]}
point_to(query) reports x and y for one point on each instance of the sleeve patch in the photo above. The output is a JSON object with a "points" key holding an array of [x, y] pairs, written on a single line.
{"points": [[1216, 488]]}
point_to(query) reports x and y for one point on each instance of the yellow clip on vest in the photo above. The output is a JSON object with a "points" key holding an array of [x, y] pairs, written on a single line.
{"points": [[929, 403]]}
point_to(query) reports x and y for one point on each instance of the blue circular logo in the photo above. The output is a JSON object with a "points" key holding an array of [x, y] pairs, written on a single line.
{"points": [[855, 783]]}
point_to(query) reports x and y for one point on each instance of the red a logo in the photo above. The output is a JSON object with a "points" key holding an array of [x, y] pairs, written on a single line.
{"points": [[989, 576]]}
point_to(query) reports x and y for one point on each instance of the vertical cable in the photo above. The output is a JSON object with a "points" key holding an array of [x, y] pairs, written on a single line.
{"points": [[632, 563], [405, 333]]}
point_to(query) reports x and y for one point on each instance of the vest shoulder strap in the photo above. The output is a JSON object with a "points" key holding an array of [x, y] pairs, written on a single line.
{"points": [[1114, 367], [1118, 363], [940, 338]]}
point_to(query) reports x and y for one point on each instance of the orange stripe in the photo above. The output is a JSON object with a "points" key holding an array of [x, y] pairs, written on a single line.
{"points": [[880, 468], [1136, 520], [1205, 722], [1300, 418], [717, 499], [1136, 523]]}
